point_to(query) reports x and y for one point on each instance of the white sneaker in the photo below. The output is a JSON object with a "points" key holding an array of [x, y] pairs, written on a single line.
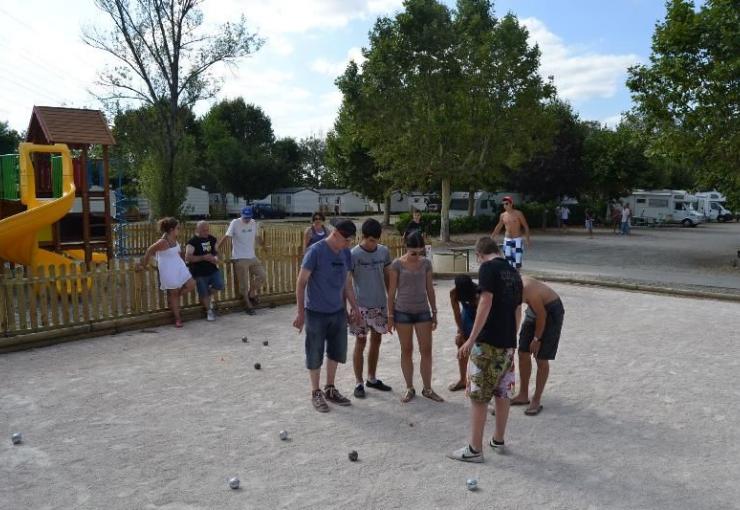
{"points": [[210, 316], [466, 455]]}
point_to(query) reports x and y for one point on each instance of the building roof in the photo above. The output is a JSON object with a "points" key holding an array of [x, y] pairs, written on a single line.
{"points": [[294, 190], [73, 126]]}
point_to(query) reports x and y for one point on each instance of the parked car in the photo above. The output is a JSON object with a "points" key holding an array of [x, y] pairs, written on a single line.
{"points": [[262, 211]]}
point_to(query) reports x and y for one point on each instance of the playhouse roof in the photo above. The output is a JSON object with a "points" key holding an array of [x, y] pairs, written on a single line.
{"points": [[73, 126]]}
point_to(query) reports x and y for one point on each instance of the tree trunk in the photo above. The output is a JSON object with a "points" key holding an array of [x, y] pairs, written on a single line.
{"points": [[444, 231], [387, 211], [471, 201]]}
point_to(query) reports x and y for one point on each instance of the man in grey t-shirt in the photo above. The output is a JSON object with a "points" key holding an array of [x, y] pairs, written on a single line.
{"points": [[370, 262]]}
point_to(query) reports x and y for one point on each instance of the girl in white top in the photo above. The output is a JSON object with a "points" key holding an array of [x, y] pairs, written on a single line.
{"points": [[174, 275]]}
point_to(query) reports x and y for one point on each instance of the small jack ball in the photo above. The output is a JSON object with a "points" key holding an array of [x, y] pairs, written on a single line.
{"points": [[257, 366], [283, 435], [353, 456], [17, 438], [265, 342], [245, 339], [234, 483], [472, 484]]}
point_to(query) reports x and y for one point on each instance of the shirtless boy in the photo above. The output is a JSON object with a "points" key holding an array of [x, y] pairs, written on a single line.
{"points": [[514, 222], [539, 338]]}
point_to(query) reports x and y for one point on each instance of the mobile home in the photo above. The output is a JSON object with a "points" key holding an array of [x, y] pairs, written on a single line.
{"points": [[349, 202], [296, 200], [485, 203], [711, 205], [663, 206]]}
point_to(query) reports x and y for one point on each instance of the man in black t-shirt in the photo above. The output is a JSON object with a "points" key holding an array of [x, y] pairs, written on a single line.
{"points": [[491, 348], [202, 257]]}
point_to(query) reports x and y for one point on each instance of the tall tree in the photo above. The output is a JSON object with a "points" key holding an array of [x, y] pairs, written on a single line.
{"points": [[315, 173], [689, 93], [9, 139], [238, 141], [164, 60], [447, 97]]}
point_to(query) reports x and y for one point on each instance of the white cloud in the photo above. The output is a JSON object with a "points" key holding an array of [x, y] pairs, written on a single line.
{"points": [[612, 121], [334, 69], [579, 74]]}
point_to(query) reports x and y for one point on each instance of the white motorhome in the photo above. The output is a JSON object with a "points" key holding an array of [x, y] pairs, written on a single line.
{"points": [[404, 202], [485, 203], [663, 207], [711, 205]]}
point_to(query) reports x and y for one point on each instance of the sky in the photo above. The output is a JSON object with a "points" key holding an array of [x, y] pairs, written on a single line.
{"points": [[586, 45]]}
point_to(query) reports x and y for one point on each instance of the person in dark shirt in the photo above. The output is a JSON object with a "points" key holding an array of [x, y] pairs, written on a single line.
{"points": [[414, 225], [491, 348], [202, 257]]}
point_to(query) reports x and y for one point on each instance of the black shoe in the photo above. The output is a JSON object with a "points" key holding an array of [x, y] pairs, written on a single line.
{"points": [[359, 391], [377, 385], [250, 311], [254, 300], [332, 395]]}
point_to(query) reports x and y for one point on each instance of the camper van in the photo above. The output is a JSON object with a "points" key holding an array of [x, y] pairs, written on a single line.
{"points": [[485, 203], [663, 207], [711, 205]]}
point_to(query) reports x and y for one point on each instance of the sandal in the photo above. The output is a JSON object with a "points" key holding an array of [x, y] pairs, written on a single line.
{"points": [[429, 393], [178, 323], [456, 386], [410, 393]]}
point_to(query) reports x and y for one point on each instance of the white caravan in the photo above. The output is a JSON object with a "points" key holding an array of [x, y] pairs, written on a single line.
{"points": [[711, 205], [663, 207], [486, 203]]}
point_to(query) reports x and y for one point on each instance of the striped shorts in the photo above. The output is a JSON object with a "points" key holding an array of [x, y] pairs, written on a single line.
{"points": [[514, 251]]}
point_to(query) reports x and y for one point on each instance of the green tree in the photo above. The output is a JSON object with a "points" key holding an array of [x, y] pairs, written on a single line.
{"points": [[239, 142], [314, 172], [9, 139], [164, 60], [288, 159], [689, 93], [447, 97]]}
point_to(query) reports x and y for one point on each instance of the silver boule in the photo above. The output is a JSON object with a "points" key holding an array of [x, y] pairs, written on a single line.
{"points": [[283, 435], [472, 484], [234, 483], [17, 438]]}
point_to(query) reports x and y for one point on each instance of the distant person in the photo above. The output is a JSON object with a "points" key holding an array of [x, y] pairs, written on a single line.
{"points": [[369, 275], [174, 276], [415, 225], [202, 256], [410, 296], [626, 217], [245, 234], [590, 223], [337, 206], [564, 217], [539, 338], [616, 218], [464, 302], [322, 291], [514, 223], [316, 232], [557, 215], [491, 347]]}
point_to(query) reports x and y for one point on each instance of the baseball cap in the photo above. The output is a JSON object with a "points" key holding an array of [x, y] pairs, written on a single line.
{"points": [[247, 212], [507, 198], [347, 228]]}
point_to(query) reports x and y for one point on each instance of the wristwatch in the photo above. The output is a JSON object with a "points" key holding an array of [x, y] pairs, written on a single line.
{"points": [[536, 339]]}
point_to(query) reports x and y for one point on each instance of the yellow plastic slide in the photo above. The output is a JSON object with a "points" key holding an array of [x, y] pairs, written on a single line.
{"points": [[18, 233]]}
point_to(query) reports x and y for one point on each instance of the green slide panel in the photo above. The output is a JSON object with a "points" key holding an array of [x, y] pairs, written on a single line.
{"points": [[56, 176]]}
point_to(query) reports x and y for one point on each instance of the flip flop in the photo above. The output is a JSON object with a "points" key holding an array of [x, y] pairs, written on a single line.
{"points": [[456, 386], [533, 411], [520, 403]]}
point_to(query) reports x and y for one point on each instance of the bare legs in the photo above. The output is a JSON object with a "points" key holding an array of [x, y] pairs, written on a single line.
{"points": [[173, 298], [358, 358], [331, 372], [424, 338], [478, 415], [525, 372], [406, 338]]}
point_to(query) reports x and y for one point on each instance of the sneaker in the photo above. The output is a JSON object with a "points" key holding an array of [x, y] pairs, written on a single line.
{"points": [[497, 447], [333, 396], [377, 385], [359, 391], [466, 455], [210, 316], [250, 311], [317, 399], [254, 300]]}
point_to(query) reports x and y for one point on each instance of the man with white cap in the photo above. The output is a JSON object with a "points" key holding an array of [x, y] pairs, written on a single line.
{"points": [[245, 233]]}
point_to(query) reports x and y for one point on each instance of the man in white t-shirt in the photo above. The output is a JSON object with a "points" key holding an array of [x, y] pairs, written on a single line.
{"points": [[245, 233], [626, 215], [564, 216]]}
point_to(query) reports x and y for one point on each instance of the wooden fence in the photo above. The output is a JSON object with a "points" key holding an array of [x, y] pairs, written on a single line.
{"points": [[116, 296]]}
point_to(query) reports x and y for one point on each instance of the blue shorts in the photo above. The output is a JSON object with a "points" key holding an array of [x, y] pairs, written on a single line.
{"points": [[325, 332], [212, 281], [411, 318]]}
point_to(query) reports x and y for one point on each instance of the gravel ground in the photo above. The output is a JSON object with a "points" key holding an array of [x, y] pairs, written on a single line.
{"points": [[640, 413]]}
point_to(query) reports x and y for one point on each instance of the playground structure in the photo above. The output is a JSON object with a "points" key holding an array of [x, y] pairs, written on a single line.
{"points": [[82, 231]]}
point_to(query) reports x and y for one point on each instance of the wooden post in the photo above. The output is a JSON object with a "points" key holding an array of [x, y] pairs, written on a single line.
{"points": [[106, 202], [85, 206]]}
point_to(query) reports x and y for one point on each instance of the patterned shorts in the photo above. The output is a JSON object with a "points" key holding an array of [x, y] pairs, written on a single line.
{"points": [[514, 251], [490, 372], [372, 318]]}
